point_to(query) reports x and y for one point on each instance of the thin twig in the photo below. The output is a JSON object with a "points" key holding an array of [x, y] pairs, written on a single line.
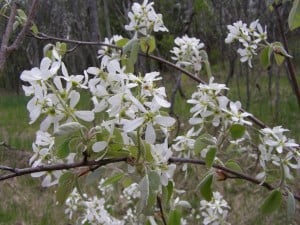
{"points": [[237, 174]]}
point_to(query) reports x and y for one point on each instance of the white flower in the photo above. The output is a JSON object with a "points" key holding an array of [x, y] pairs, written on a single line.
{"points": [[144, 19], [161, 154], [187, 54], [214, 212], [47, 69], [236, 115]]}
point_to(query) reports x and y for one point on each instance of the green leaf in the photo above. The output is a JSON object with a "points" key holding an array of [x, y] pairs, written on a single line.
{"points": [[66, 185], [174, 217], [22, 15], [279, 52], [231, 164], [122, 42], [237, 131], [170, 188], [34, 29], [15, 25], [294, 16], [68, 128], [291, 206], [63, 149], [272, 202], [113, 179], [144, 189], [202, 142], [279, 59], [210, 156], [94, 176], [131, 60], [147, 44], [265, 57], [154, 184], [205, 187], [61, 47]]}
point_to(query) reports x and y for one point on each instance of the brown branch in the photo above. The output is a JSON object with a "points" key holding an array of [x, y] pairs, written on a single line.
{"points": [[6, 35], [16, 172], [233, 172], [290, 65], [18, 41], [6, 50]]}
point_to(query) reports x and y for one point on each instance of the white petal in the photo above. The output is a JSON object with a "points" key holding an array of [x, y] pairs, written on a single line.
{"points": [[133, 124], [165, 121], [99, 146], [150, 135], [162, 102], [85, 115], [74, 98]]}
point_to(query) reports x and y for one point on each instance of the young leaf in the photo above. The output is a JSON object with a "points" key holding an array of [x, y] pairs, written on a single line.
{"points": [[231, 164], [147, 44], [22, 15], [134, 50], [210, 156], [144, 189], [170, 188], [154, 184], [68, 128], [237, 131], [34, 29], [63, 149], [113, 179], [205, 187], [294, 16], [291, 206], [279, 59], [121, 43], [272, 202], [174, 217], [265, 57], [66, 185]]}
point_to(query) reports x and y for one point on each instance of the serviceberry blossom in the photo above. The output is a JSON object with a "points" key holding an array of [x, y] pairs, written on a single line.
{"points": [[249, 37], [215, 211], [144, 19], [278, 149], [188, 53], [161, 154], [207, 105]]}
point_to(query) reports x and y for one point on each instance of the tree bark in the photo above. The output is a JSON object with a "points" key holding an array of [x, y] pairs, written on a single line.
{"points": [[7, 49]]}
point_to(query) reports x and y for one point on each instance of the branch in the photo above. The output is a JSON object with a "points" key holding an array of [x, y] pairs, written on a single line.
{"points": [[237, 174], [5, 49], [16, 172], [18, 41], [290, 65]]}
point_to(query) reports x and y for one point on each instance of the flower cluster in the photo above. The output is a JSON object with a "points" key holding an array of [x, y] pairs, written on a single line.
{"points": [[209, 106], [249, 37], [188, 53], [93, 210], [215, 211], [279, 149], [144, 19]]}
